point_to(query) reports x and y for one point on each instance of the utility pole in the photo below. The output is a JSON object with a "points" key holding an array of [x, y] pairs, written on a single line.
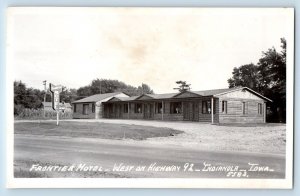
{"points": [[45, 89], [100, 87]]}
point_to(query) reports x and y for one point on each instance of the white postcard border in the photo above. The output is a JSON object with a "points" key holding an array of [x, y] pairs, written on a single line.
{"points": [[151, 182]]}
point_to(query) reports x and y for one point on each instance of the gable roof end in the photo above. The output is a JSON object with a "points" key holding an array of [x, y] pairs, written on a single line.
{"points": [[114, 99], [96, 98], [242, 88], [191, 92], [144, 95]]}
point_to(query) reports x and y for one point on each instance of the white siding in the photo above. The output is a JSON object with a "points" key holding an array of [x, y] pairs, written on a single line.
{"points": [[98, 108], [240, 94]]}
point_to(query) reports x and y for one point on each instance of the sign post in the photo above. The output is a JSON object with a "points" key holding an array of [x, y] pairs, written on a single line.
{"points": [[55, 90], [45, 89]]}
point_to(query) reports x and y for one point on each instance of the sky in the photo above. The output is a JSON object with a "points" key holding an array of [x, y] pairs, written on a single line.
{"points": [[156, 46]]}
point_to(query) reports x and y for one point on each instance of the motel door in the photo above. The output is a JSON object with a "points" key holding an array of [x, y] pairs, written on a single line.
{"points": [[191, 111], [108, 110], [119, 111], [148, 110], [196, 111], [186, 115]]}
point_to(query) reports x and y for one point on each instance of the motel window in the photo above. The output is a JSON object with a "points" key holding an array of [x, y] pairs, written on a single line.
{"points": [[74, 108], [85, 109], [125, 108], [259, 108], [158, 108], [175, 107], [244, 107], [93, 108], [138, 108], [206, 107], [224, 107]]}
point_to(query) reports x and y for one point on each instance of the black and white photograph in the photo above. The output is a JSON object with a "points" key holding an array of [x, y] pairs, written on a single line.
{"points": [[135, 97]]}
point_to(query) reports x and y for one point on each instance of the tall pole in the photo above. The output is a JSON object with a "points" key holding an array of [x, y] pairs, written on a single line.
{"points": [[128, 109], [100, 87], [57, 117], [45, 89], [212, 110], [265, 112], [57, 101]]}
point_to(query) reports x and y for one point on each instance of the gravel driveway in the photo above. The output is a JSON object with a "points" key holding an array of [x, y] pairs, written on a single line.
{"points": [[263, 138]]}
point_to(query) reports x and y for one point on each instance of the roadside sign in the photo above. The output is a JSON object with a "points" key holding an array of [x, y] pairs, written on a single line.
{"points": [[55, 88], [55, 104], [62, 107], [55, 91]]}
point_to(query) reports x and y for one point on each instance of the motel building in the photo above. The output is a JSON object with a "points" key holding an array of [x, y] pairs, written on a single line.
{"points": [[235, 105]]}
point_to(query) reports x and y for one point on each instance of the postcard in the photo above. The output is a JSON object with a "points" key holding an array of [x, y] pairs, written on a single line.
{"points": [[140, 97]]}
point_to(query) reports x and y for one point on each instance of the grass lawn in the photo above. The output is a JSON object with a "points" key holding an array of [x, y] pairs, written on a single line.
{"points": [[92, 130]]}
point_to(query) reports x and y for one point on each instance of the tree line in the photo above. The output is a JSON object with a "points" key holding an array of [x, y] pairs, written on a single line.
{"points": [[27, 97], [267, 77]]}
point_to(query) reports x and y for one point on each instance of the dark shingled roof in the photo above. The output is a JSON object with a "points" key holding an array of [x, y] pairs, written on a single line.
{"points": [[213, 92], [96, 98], [162, 96]]}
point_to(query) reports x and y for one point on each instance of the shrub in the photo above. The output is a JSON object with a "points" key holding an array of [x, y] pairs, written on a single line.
{"points": [[18, 109], [27, 113]]}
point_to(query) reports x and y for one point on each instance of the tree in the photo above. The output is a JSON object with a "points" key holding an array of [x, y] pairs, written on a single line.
{"points": [[268, 77], [26, 97], [100, 86], [245, 75], [19, 92], [183, 86], [68, 95], [84, 91], [32, 98], [145, 89], [272, 68]]}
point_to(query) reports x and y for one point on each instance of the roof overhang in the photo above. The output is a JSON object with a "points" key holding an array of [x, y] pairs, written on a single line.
{"points": [[144, 95], [113, 99], [191, 92], [245, 88]]}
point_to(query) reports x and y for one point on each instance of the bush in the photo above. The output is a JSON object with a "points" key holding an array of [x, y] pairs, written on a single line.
{"points": [[18, 109], [27, 113]]}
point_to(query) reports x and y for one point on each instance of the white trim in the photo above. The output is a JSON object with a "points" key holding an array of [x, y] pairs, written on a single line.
{"points": [[265, 112], [212, 110]]}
